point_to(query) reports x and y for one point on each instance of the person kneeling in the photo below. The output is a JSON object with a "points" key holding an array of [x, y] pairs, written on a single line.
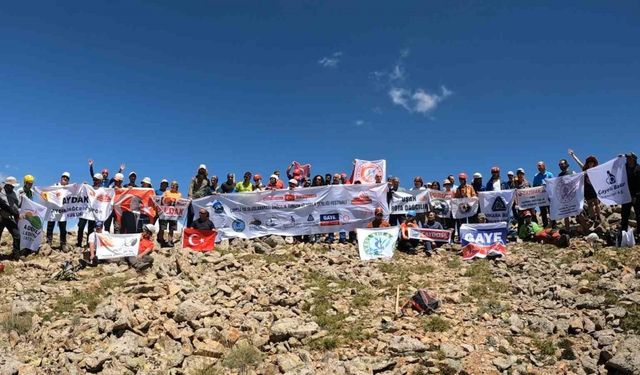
{"points": [[144, 260]]}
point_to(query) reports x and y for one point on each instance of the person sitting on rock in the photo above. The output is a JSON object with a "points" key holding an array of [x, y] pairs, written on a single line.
{"points": [[408, 244], [203, 222], [533, 232], [93, 243], [378, 221], [431, 223], [144, 260]]}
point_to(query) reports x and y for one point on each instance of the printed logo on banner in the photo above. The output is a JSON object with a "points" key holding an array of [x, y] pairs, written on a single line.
{"points": [[362, 198], [499, 205], [329, 219], [440, 207], [368, 171], [375, 243], [255, 222], [217, 207], [311, 218], [238, 225], [566, 191], [464, 207], [611, 179]]}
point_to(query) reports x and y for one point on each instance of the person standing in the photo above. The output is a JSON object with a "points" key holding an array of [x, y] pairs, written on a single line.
{"points": [[169, 198], [10, 212], [229, 185], [27, 189], [61, 216], [633, 177], [132, 180], [199, 187], [245, 185], [540, 180], [563, 164], [494, 183], [164, 185], [82, 222]]}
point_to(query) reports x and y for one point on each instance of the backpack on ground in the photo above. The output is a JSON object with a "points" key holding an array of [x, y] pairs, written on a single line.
{"points": [[422, 302]]}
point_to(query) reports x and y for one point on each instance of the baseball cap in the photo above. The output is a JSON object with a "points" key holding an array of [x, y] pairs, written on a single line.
{"points": [[97, 176], [202, 166], [146, 180], [520, 170], [273, 176], [133, 173], [66, 174], [164, 180], [510, 173], [411, 213], [293, 181], [99, 224]]}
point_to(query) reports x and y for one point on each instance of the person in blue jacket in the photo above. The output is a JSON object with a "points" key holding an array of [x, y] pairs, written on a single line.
{"points": [[494, 183]]}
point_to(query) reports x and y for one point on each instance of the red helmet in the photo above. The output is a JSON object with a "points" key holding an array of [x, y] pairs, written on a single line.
{"points": [[462, 175], [257, 177], [105, 171], [297, 172], [495, 169]]}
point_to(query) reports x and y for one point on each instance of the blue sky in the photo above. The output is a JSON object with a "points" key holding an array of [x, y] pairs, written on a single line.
{"points": [[433, 87]]}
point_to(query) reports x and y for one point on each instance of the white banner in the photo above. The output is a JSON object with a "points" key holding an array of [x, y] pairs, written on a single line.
{"points": [[63, 202], [117, 245], [31, 224], [366, 170], [532, 197], [610, 182], [322, 209], [171, 209], [403, 201], [100, 202], [566, 195], [496, 205], [440, 202], [462, 208], [376, 243]]}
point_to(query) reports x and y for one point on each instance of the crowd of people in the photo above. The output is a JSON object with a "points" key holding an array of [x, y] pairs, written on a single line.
{"points": [[531, 224]]}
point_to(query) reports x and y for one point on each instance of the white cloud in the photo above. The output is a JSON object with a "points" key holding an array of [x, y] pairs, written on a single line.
{"points": [[419, 101], [330, 61], [360, 122]]}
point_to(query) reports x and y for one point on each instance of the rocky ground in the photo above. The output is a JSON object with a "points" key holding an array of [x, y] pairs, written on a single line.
{"points": [[270, 307]]}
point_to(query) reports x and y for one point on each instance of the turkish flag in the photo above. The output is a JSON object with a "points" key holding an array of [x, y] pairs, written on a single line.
{"points": [[199, 240]]}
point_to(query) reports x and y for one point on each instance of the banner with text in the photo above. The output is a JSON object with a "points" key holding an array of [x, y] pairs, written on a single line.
{"points": [[440, 202], [496, 205], [100, 202], [462, 208], [435, 235], [403, 201], [566, 196], [366, 170], [63, 202], [31, 223], [532, 198], [610, 182], [313, 210], [171, 209], [374, 243], [117, 245], [482, 240]]}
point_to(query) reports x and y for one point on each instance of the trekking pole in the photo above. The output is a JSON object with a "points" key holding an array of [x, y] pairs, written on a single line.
{"points": [[397, 300]]}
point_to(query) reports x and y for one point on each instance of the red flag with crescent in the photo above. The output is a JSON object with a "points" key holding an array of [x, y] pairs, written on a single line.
{"points": [[198, 240], [136, 200]]}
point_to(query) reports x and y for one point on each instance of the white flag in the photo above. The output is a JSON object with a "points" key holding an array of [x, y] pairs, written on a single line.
{"points": [[31, 224], [609, 180], [376, 243], [462, 208], [117, 245], [100, 202], [532, 197], [496, 205], [365, 171], [566, 195], [62, 201]]}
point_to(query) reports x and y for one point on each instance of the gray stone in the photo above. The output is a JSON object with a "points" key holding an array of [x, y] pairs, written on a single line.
{"points": [[452, 351], [406, 344], [9, 365], [261, 248], [503, 363], [274, 241], [616, 312], [627, 359], [188, 311], [288, 362], [290, 327]]}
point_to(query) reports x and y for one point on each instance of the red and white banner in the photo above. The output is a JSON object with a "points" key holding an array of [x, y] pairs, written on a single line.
{"points": [[462, 208], [136, 200], [304, 168], [198, 240], [440, 202], [171, 209], [435, 235], [62, 202], [111, 246], [366, 170], [482, 240], [532, 197], [100, 202]]}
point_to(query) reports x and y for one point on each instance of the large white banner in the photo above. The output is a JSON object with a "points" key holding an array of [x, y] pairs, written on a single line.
{"points": [[322, 209], [366, 170], [440, 202], [496, 205], [462, 208], [117, 245], [403, 201], [610, 182], [100, 202], [377, 242], [532, 197], [31, 223], [566, 195], [171, 209], [63, 202]]}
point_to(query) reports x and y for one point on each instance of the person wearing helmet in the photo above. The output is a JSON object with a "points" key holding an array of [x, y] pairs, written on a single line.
{"points": [[477, 182], [494, 183], [10, 212], [378, 220], [245, 185], [408, 244], [257, 182], [54, 216], [169, 198], [144, 260], [464, 190], [84, 219], [27, 189], [540, 180], [273, 183], [132, 180], [106, 182]]}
